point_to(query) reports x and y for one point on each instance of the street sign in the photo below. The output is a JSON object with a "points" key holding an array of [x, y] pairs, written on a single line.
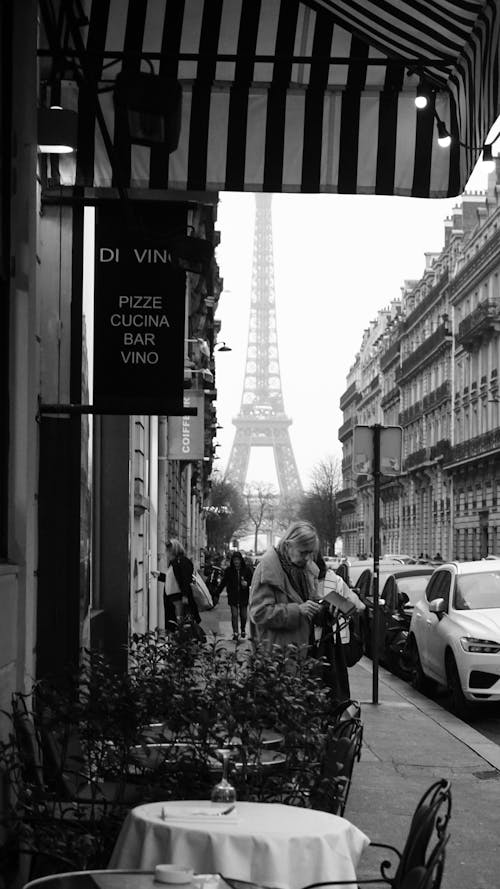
{"points": [[186, 435], [391, 442]]}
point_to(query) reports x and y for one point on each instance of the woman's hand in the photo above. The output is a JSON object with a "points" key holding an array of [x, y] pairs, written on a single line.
{"points": [[309, 609]]}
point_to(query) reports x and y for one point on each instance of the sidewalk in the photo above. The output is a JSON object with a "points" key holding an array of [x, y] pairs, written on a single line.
{"points": [[409, 742]]}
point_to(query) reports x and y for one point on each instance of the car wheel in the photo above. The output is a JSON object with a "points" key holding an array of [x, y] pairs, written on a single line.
{"points": [[458, 701], [418, 679]]}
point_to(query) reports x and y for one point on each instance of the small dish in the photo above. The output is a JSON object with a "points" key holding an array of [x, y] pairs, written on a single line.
{"points": [[173, 873]]}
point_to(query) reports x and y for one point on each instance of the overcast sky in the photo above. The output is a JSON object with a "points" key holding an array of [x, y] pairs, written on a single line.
{"points": [[338, 259]]}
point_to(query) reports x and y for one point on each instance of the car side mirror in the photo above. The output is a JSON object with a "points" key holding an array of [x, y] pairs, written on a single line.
{"points": [[437, 606], [403, 599]]}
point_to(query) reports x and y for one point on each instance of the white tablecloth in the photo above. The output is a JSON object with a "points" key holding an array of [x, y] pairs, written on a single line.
{"points": [[279, 846]]}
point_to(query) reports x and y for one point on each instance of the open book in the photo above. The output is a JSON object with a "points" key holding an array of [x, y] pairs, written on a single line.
{"points": [[345, 606]]}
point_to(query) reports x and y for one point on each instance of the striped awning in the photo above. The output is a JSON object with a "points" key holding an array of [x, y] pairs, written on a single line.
{"points": [[287, 96]]}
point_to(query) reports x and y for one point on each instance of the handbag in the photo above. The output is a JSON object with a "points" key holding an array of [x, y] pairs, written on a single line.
{"points": [[172, 588], [201, 593], [353, 650]]}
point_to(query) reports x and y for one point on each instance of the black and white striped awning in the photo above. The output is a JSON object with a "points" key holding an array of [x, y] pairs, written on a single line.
{"points": [[289, 96]]}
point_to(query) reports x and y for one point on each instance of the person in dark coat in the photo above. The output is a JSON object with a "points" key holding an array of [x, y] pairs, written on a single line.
{"points": [[236, 580], [181, 604]]}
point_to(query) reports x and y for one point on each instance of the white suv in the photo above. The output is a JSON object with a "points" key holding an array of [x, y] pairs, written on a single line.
{"points": [[454, 634]]}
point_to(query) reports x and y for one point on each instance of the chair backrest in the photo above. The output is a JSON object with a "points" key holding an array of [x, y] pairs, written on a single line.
{"points": [[342, 749], [348, 709], [429, 875], [430, 819]]}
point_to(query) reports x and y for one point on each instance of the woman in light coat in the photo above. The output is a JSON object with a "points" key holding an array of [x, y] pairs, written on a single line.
{"points": [[283, 590]]}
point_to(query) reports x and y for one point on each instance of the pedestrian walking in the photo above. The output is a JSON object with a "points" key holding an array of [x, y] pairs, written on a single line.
{"points": [[236, 580], [178, 598], [284, 590]]}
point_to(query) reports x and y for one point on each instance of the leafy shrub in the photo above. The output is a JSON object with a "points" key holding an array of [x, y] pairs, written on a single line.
{"points": [[191, 699]]}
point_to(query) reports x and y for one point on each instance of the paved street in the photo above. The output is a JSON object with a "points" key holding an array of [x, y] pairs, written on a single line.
{"points": [[410, 741]]}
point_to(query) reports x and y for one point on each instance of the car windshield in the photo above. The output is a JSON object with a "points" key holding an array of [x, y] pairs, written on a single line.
{"points": [[477, 591], [414, 587]]}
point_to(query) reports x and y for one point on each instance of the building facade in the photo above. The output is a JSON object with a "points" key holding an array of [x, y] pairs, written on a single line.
{"points": [[429, 364], [88, 499]]}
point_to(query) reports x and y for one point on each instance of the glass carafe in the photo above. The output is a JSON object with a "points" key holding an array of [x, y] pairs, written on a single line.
{"points": [[223, 791]]}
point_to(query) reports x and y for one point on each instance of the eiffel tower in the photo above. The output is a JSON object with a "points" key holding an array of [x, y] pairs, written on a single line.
{"points": [[262, 421]]}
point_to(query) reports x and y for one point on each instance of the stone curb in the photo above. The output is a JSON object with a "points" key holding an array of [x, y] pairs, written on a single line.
{"points": [[464, 733]]}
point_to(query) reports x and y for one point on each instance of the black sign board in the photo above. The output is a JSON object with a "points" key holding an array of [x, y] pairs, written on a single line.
{"points": [[139, 310]]}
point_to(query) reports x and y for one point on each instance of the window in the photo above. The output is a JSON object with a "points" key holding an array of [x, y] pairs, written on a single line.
{"points": [[439, 587]]}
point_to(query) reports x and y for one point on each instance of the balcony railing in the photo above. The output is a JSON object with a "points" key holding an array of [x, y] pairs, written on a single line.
{"points": [[346, 495], [350, 393], [442, 449], [484, 320], [435, 341], [390, 396], [427, 301], [417, 458], [388, 357], [411, 413], [475, 447], [436, 396], [346, 428]]}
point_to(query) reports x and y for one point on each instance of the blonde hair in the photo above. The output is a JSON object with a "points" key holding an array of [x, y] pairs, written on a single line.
{"points": [[176, 547], [301, 534]]}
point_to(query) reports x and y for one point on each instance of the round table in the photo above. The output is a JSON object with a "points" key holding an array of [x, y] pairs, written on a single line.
{"points": [[274, 845]]}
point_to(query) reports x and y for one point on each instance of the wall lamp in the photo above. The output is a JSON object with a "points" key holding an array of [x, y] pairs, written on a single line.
{"points": [[148, 108], [57, 130], [223, 347]]}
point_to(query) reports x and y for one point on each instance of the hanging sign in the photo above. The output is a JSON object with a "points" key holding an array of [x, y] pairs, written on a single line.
{"points": [[186, 435], [139, 308]]}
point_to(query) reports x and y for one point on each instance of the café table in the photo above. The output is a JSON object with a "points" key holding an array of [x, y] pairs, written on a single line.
{"points": [[121, 879], [274, 845]]}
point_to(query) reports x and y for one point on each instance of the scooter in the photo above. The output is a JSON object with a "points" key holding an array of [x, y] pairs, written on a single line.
{"points": [[397, 637]]}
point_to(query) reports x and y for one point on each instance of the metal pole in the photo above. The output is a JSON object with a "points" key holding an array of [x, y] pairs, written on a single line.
{"points": [[376, 557]]}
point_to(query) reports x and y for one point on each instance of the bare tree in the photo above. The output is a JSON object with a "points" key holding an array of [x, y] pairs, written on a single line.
{"points": [[261, 502], [319, 504]]}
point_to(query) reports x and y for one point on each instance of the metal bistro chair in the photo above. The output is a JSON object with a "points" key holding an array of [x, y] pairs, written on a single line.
{"points": [[343, 748], [348, 709], [418, 866]]}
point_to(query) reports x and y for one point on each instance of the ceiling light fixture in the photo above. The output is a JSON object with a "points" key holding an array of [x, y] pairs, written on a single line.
{"points": [[422, 96], [444, 138], [57, 130]]}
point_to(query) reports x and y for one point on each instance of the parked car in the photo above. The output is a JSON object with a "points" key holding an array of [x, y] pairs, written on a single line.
{"points": [[400, 588], [400, 557], [361, 572], [454, 635]]}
